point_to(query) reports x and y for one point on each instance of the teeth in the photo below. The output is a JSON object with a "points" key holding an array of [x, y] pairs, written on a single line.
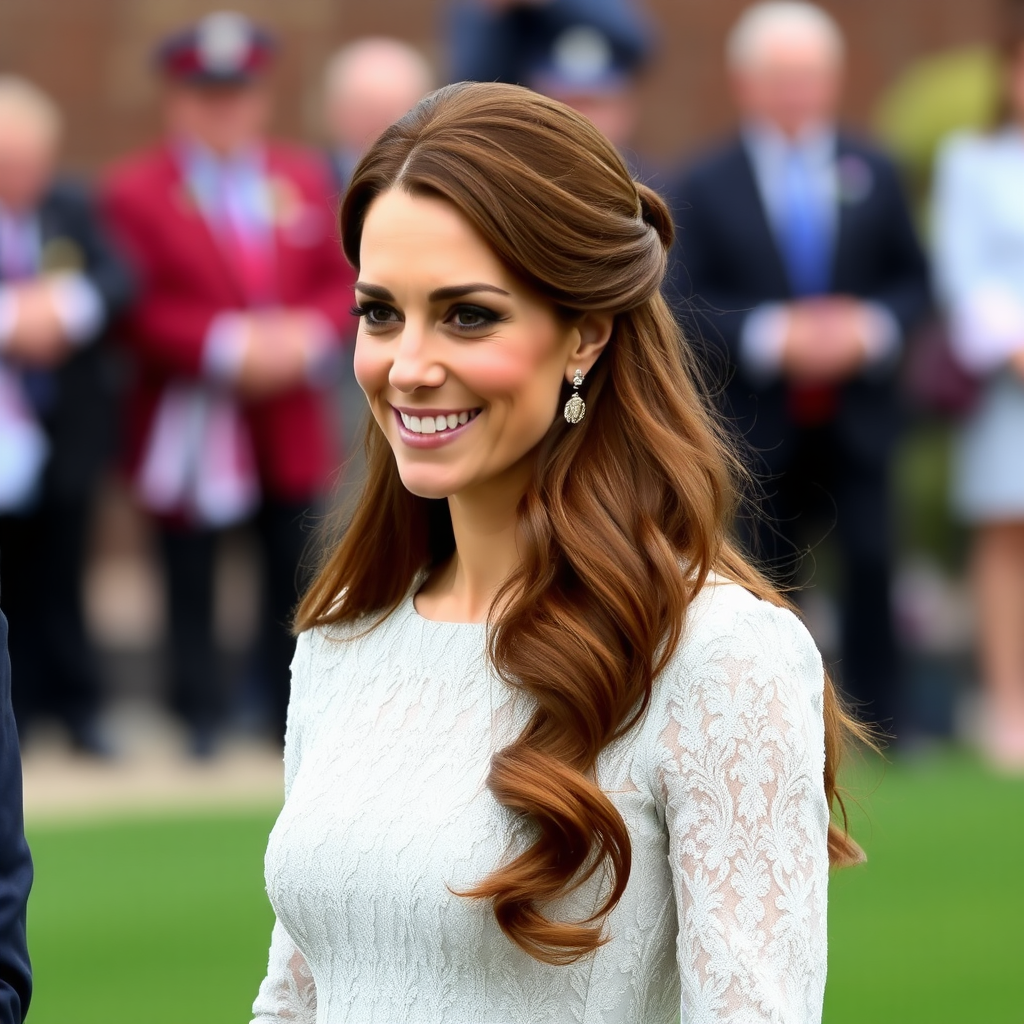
{"points": [[435, 424]]}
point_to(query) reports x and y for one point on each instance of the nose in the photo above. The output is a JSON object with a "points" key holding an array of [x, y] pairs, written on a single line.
{"points": [[415, 364]]}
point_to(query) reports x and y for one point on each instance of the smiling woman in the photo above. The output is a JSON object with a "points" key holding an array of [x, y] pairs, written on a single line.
{"points": [[556, 752]]}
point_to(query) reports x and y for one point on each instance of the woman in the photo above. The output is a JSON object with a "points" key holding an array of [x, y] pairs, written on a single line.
{"points": [[544, 717], [979, 265]]}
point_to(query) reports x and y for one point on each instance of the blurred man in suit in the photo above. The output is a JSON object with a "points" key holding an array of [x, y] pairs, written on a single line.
{"points": [[798, 257], [368, 85], [244, 299], [15, 861], [60, 282]]}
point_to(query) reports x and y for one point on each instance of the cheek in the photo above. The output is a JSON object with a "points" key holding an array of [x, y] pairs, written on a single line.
{"points": [[526, 373], [370, 367]]}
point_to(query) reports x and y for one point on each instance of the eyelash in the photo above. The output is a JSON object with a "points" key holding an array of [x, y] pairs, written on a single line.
{"points": [[488, 316]]}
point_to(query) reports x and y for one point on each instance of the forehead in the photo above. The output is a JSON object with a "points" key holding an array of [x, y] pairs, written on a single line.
{"points": [[24, 136], [425, 237], [805, 47]]}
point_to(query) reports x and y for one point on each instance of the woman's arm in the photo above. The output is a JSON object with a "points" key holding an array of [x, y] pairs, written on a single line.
{"points": [[288, 992], [740, 761]]}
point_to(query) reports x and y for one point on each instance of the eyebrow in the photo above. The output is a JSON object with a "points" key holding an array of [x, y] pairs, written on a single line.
{"points": [[455, 291]]}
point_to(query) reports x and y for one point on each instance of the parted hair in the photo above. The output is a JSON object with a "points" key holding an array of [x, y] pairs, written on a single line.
{"points": [[626, 515]]}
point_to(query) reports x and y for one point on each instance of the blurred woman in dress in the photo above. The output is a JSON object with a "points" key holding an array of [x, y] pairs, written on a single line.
{"points": [[979, 265]]}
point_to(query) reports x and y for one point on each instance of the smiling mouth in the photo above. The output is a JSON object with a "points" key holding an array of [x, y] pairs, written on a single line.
{"points": [[438, 423]]}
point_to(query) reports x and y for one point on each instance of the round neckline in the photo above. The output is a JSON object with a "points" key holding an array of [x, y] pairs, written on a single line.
{"points": [[414, 612]]}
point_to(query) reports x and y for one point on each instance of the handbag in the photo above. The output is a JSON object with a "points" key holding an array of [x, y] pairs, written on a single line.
{"points": [[934, 379]]}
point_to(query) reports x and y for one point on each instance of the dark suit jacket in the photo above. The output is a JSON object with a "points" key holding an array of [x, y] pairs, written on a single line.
{"points": [[82, 415], [15, 862], [726, 263]]}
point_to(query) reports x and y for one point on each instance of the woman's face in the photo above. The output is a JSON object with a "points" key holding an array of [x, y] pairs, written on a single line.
{"points": [[461, 363]]}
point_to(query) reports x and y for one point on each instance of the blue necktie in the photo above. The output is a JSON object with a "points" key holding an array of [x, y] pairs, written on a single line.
{"points": [[803, 229]]}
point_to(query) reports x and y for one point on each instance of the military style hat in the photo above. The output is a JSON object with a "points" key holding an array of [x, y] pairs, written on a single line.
{"points": [[224, 48], [583, 58]]}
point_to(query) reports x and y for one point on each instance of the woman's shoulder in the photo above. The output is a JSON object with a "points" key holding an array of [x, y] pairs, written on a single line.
{"points": [[745, 674], [731, 636]]}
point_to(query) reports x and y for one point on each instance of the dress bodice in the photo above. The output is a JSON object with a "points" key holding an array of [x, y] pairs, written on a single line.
{"points": [[387, 816]]}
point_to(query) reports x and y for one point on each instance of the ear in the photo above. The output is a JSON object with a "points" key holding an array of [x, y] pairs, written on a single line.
{"points": [[591, 333]]}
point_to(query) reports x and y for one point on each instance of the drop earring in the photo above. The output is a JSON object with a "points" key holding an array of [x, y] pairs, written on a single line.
{"points": [[575, 408]]}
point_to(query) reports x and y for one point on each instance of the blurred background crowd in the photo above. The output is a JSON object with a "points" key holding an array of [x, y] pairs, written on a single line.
{"points": [[177, 406]]}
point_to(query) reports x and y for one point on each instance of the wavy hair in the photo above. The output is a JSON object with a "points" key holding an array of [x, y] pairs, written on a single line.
{"points": [[647, 483]]}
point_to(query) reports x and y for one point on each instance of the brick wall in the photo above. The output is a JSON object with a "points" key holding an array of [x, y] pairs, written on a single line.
{"points": [[92, 56]]}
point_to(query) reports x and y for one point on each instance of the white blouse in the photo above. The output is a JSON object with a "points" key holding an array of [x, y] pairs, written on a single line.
{"points": [[389, 740]]}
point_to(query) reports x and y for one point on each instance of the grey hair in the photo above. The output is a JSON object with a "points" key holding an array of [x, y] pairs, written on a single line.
{"points": [[780, 17], [26, 104]]}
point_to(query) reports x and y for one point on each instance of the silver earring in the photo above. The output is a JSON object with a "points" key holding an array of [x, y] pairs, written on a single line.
{"points": [[575, 408]]}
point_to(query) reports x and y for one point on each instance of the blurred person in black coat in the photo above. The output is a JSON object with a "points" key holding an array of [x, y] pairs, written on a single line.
{"points": [[586, 53], [15, 862], [797, 259], [368, 85], [60, 282]]}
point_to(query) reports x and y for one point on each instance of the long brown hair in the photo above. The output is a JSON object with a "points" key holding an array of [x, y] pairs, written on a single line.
{"points": [[644, 486]]}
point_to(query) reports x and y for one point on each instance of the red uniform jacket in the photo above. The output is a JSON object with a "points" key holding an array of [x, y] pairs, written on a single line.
{"points": [[186, 279]]}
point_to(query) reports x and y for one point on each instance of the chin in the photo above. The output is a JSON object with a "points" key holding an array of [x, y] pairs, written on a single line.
{"points": [[427, 485]]}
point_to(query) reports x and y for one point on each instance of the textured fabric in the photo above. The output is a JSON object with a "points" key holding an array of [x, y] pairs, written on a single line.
{"points": [[389, 740]]}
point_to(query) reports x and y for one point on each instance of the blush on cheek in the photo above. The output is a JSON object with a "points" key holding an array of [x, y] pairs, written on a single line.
{"points": [[370, 372]]}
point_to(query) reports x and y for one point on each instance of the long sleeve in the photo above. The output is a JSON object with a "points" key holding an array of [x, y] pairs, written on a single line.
{"points": [[288, 992], [15, 861], [740, 756], [980, 280]]}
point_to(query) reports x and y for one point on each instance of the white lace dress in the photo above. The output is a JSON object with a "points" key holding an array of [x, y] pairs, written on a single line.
{"points": [[386, 810]]}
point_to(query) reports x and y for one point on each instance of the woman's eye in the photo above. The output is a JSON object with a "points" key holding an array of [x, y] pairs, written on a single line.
{"points": [[471, 317], [376, 315]]}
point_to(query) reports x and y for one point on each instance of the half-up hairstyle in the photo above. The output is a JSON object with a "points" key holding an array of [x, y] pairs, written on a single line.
{"points": [[626, 515]]}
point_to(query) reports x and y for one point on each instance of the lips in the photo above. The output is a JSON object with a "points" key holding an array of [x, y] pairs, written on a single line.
{"points": [[433, 428], [435, 423]]}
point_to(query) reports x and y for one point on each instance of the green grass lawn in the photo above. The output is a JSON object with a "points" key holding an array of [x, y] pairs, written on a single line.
{"points": [[931, 929], [149, 922], [166, 922]]}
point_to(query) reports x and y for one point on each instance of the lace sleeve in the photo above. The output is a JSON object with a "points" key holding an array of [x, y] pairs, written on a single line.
{"points": [[740, 756], [288, 992]]}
